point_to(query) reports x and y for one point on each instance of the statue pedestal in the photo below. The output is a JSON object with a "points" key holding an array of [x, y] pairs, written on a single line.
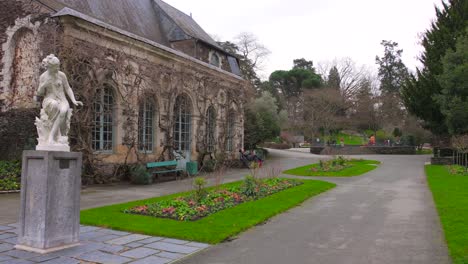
{"points": [[57, 147], [50, 201]]}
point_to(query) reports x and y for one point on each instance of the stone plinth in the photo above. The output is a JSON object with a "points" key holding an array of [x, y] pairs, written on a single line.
{"points": [[50, 201]]}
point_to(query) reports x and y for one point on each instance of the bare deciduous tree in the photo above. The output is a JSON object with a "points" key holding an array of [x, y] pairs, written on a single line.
{"points": [[351, 75], [321, 110], [252, 50]]}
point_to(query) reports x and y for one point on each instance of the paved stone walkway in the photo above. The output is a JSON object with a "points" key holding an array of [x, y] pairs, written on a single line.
{"points": [[100, 245], [384, 217]]}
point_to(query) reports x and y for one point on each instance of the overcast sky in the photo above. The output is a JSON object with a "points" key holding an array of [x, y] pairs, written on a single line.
{"points": [[318, 30]]}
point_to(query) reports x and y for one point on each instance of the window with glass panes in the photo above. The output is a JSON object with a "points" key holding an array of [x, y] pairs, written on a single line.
{"points": [[230, 131], [146, 126], [210, 129], [102, 132], [215, 60], [182, 123]]}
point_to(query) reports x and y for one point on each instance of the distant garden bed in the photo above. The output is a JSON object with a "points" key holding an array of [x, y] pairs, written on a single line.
{"points": [[215, 226], [337, 167]]}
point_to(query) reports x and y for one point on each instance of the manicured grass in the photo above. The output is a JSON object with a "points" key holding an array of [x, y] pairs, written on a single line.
{"points": [[211, 229], [358, 167], [348, 139], [450, 194]]}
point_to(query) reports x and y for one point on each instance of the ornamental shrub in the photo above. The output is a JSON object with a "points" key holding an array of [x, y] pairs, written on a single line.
{"points": [[140, 175], [249, 186], [10, 169]]}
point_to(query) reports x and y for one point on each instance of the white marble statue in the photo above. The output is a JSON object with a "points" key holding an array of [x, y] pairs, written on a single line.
{"points": [[54, 122]]}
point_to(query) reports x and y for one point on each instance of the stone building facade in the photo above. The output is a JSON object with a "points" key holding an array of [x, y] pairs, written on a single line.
{"points": [[154, 84]]}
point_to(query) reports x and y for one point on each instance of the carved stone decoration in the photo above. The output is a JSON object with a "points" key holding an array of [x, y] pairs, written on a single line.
{"points": [[54, 121]]}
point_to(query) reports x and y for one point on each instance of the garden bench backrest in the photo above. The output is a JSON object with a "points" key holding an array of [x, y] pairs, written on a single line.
{"points": [[161, 164]]}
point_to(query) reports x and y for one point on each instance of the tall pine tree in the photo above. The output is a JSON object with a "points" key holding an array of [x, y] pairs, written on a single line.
{"points": [[334, 79], [392, 70], [392, 74], [421, 90]]}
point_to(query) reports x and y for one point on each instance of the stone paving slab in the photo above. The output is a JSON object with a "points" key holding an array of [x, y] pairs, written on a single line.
{"points": [[4, 228], [112, 248], [101, 245], [152, 260], [127, 239], [11, 240], [139, 252], [170, 255], [21, 254], [101, 257], [175, 241], [19, 261], [7, 235], [86, 229], [4, 258], [134, 245], [62, 260], [150, 240], [5, 247], [163, 246]]}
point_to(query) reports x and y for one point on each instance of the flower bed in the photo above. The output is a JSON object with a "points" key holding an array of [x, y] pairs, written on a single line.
{"points": [[457, 170], [336, 164], [202, 203]]}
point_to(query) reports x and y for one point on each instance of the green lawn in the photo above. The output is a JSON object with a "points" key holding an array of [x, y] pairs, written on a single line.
{"points": [[450, 194], [358, 167], [211, 229], [348, 139]]}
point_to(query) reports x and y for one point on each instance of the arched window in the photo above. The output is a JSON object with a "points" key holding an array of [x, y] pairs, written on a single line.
{"points": [[182, 123], [230, 130], [215, 60], [146, 126], [210, 129], [103, 119]]}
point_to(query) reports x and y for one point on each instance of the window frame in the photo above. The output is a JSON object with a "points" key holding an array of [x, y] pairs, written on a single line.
{"points": [[144, 123], [211, 129], [230, 130], [182, 129], [106, 111]]}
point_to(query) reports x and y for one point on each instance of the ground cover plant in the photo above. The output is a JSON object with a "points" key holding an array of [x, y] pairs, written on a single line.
{"points": [[449, 186], [212, 228], [201, 202], [337, 167], [10, 175]]}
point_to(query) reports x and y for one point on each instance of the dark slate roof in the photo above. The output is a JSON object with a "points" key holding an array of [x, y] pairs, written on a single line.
{"points": [[186, 23], [71, 12], [140, 17], [136, 16]]}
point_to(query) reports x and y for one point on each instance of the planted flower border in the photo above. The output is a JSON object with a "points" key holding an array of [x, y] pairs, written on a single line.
{"points": [[201, 203], [213, 228]]}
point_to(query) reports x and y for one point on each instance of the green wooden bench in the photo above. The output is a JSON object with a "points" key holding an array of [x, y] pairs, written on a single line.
{"points": [[163, 164]]}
